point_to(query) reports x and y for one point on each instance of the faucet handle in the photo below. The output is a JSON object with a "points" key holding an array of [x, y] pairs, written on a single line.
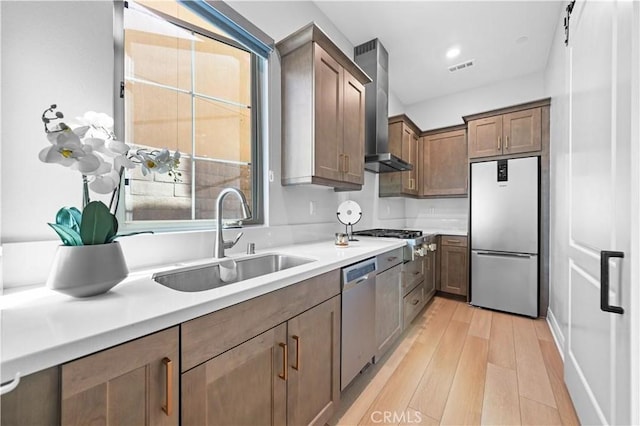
{"points": [[229, 244]]}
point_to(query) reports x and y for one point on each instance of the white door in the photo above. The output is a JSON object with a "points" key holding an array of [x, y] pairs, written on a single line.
{"points": [[603, 124]]}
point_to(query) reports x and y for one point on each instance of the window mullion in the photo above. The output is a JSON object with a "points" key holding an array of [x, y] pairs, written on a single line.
{"points": [[193, 129]]}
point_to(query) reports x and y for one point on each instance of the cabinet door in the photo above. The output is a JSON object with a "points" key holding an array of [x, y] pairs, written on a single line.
{"points": [[409, 154], [353, 138], [444, 164], [135, 383], [329, 160], [412, 275], [244, 386], [36, 400], [388, 309], [453, 269], [314, 364], [395, 138], [391, 182], [485, 137], [429, 275], [522, 131]]}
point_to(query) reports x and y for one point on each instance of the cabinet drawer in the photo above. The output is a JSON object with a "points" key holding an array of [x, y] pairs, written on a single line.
{"points": [[412, 275], [208, 336], [453, 240], [389, 259], [412, 304]]}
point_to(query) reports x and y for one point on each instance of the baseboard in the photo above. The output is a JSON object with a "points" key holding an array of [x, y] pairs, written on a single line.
{"points": [[558, 337]]}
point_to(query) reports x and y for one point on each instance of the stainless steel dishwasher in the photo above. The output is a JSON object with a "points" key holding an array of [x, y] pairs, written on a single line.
{"points": [[358, 318]]}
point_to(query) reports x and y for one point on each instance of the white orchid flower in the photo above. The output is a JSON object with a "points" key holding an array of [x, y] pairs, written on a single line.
{"points": [[123, 161], [67, 150], [96, 119], [102, 169], [92, 149], [117, 147], [106, 183]]}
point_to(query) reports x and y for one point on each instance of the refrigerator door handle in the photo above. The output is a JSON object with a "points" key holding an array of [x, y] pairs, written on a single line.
{"points": [[604, 281], [501, 254]]}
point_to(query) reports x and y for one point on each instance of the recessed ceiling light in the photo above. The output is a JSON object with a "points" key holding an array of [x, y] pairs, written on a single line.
{"points": [[453, 52], [522, 40]]}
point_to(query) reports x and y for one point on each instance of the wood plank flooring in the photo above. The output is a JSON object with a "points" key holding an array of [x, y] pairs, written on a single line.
{"points": [[456, 365]]}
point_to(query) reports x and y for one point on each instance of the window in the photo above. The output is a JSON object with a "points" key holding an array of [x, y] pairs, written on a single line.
{"points": [[189, 86]]}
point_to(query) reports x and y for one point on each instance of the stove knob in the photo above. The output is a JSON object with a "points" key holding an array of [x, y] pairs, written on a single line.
{"points": [[432, 247], [420, 251]]}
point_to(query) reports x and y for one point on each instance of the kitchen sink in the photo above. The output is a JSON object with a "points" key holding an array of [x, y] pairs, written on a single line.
{"points": [[223, 271]]}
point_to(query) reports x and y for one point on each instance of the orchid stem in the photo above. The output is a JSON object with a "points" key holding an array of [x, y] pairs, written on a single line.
{"points": [[115, 195], [85, 191]]}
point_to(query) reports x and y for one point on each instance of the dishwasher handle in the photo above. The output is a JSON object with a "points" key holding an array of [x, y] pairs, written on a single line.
{"points": [[357, 282]]}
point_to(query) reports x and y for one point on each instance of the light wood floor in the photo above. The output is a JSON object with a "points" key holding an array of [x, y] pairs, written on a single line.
{"points": [[457, 365]]}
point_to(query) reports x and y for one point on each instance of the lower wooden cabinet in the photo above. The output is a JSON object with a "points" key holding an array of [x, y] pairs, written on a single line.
{"points": [[412, 305], [135, 383], [242, 386], [36, 400], [454, 264], [313, 390], [289, 374]]}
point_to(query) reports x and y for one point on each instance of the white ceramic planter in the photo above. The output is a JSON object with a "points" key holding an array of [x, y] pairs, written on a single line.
{"points": [[83, 271]]}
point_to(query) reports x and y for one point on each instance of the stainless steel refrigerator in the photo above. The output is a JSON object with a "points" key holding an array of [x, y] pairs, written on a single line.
{"points": [[504, 235]]}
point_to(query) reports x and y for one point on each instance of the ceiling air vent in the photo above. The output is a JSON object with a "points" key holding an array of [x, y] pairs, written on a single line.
{"points": [[461, 66]]}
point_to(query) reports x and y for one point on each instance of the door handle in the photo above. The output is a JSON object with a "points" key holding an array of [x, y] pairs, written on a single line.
{"points": [[285, 361], [168, 365], [502, 254], [297, 339], [604, 281]]}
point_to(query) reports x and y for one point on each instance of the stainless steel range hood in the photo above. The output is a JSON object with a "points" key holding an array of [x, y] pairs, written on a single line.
{"points": [[373, 58]]}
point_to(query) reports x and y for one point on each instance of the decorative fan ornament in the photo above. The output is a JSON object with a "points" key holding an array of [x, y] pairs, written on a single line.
{"points": [[349, 213]]}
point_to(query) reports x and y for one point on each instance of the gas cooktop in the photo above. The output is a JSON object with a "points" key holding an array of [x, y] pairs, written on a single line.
{"points": [[418, 245], [390, 233]]}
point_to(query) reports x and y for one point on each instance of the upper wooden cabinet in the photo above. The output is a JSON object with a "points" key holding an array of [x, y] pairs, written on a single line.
{"points": [[443, 162], [322, 112], [513, 130], [133, 383], [403, 143]]}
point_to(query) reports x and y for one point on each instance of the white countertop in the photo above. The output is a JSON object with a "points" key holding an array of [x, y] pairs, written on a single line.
{"points": [[41, 328]]}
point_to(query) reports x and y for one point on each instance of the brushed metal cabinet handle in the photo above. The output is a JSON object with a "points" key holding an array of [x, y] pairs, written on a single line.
{"points": [[285, 361], [298, 347], [506, 143], [168, 366], [499, 143]]}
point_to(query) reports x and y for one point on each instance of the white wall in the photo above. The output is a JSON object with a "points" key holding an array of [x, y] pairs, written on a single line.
{"points": [[440, 214], [52, 52], [557, 87], [448, 110]]}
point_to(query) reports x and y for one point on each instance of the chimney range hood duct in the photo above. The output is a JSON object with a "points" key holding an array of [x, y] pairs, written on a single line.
{"points": [[373, 58]]}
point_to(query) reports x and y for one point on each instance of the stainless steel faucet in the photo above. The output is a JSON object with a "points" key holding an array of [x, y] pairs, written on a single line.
{"points": [[221, 244]]}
